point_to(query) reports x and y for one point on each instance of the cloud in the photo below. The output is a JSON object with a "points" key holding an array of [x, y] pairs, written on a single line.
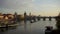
{"points": [[34, 6]]}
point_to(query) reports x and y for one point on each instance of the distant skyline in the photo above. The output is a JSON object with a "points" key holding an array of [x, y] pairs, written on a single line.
{"points": [[36, 7]]}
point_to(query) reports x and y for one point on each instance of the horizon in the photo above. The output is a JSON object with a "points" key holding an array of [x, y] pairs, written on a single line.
{"points": [[31, 13]]}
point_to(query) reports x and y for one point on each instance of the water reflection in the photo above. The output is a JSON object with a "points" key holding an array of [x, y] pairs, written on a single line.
{"points": [[28, 28], [7, 29]]}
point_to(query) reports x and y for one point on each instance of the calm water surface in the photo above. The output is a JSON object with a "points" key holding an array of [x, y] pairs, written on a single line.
{"points": [[31, 28]]}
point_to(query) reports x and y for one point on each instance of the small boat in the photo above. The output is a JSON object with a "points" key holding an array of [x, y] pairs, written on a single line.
{"points": [[31, 21], [48, 30]]}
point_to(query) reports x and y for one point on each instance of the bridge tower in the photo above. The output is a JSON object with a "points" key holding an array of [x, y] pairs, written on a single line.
{"points": [[30, 18], [15, 16], [25, 17]]}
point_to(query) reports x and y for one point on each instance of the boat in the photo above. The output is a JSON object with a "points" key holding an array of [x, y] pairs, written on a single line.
{"points": [[48, 29], [31, 21]]}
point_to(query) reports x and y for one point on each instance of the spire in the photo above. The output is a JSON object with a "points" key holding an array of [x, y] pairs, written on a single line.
{"points": [[15, 13], [24, 13]]}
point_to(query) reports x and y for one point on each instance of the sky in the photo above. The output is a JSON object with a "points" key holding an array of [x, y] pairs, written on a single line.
{"points": [[36, 7]]}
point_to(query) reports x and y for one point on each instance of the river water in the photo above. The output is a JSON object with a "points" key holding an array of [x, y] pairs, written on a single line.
{"points": [[31, 28]]}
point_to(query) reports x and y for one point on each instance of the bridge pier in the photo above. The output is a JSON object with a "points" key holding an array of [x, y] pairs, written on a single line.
{"points": [[50, 19], [34, 18], [44, 19], [38, 18]]}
